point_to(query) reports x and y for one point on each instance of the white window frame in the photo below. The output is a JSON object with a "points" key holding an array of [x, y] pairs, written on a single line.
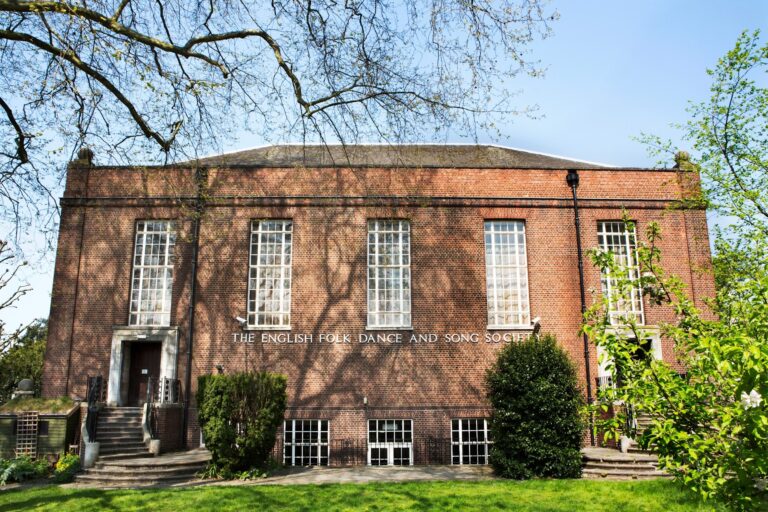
{"points": [[390, 446], [629, 241], [144, 311], [399, 231], [495, 270], [465, 445], [605, 378], [277, 261], [290, 460]]}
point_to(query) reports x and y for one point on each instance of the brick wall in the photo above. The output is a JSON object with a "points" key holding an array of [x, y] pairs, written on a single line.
{"points": [[167, 426], [330, 208]]}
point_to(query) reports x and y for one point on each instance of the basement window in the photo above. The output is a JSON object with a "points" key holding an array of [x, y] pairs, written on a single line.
{"points": [[305, 443], [470, 441]]}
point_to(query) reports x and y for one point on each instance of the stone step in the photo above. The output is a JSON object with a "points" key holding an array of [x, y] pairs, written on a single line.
{"points": [[130, 481], [156, 463], [119, 421], [622, 474], [618, 457], [117, 449], [153, 473], [122, 437], [124, 455], [129, 444], [643, 466], [109, 443], [113, 430]]}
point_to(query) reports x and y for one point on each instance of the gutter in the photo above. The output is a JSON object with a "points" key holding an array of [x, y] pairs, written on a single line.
{"points": [[573, 181], [199, 176]]}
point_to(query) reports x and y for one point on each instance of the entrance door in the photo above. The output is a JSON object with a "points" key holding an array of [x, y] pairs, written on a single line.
{"points": [[390, 442], [145, 363]]}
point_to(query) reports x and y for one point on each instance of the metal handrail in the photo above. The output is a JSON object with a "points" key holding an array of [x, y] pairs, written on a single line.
{"points": [[95, 393]]}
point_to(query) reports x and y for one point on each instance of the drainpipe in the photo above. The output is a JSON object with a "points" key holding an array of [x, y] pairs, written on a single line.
{"points": [[199, 176], [573, 181]]}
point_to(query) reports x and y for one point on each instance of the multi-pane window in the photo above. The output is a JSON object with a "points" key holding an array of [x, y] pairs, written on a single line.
{"points": [[152, 283], [390, 442], [269, 276], [305, 443], [614, 236], [470, 441], [506, 273], [389, 274]]}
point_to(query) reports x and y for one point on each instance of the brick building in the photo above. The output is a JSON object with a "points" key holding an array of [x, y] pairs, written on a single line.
{"points": [[381, 280]]}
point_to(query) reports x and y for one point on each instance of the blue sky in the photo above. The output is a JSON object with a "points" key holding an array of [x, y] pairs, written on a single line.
{"points": [[614, 69]]}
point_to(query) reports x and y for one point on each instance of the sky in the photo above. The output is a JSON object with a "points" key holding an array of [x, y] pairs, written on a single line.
{"points": [[615, 69]]}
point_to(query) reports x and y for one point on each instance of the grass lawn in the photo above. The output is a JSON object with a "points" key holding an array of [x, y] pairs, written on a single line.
{"points": [[554, 495]]}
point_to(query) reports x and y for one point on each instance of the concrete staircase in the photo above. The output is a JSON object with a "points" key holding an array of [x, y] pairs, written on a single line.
{"points": [[612, 464], [120, 434], [168, 469], [643, 421]]}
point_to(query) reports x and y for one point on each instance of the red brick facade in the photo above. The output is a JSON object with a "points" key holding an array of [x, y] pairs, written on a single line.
{"points": [[427, 382]]}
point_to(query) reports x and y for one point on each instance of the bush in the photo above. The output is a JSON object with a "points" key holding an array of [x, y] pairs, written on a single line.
{"points": [[536, 422], [66, 467], [239, 415], [22, 468]]}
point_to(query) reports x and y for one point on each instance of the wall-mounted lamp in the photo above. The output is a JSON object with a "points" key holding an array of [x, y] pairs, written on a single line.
{"points": [[242, 321], [365, 401], [220, 369], [536, 325]]}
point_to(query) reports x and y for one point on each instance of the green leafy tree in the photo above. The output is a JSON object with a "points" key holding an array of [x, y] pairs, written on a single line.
{"points": [[24, 360], [536, 423], [239, 414], [163, 80], [710, 425]]}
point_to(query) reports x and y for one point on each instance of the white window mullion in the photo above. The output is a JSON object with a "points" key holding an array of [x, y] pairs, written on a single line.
{"points": [[506, 272], [153, 278], [269, 263], [616, 238], [388, 276]]}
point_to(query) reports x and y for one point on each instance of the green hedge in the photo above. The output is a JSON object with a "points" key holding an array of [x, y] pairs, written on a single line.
{"points": [[536, 423], [239, 414]]}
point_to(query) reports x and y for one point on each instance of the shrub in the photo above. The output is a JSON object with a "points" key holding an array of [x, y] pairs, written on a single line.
{"points": [[66, 467], [536, 422], [239, 415], [22, 468]]}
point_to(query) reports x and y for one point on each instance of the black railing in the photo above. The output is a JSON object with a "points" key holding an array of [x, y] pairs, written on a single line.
{"points": [[354, 452], [96, 393], [164, 390], [96, 389], [604, 382]]}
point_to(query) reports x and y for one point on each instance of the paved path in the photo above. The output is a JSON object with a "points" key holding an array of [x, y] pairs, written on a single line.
{"points": [[364, 474]]}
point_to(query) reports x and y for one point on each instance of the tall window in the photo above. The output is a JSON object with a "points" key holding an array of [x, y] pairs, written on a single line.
{"points": [[614, 236], [152, 283], [506, 274], [305, 443], [470, 441], [269, 276], [389, 273]]}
